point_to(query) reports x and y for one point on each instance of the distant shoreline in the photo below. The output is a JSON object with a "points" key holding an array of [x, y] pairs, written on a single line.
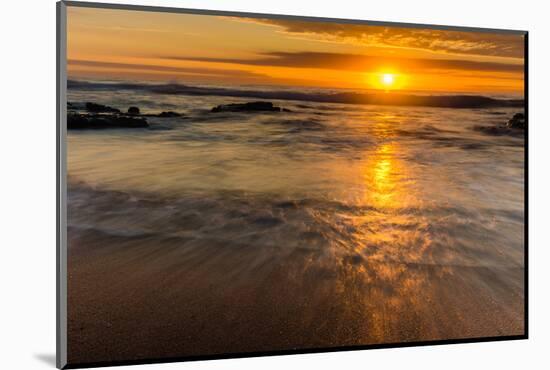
{"points": [[393, 99]]}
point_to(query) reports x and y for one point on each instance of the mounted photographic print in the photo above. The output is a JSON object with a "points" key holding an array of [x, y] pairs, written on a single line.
{"points": [[235, 184]]}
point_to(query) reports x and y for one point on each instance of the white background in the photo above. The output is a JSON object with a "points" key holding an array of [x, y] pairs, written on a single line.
{"points": [[27, 180]]}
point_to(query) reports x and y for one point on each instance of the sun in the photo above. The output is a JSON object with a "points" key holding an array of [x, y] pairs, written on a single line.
{"points": [[387, 79]]}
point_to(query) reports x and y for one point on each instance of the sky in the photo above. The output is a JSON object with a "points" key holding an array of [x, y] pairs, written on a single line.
{"points": [[109, 44]]}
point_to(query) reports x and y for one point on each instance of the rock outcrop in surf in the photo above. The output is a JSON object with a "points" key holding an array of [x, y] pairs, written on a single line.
{"points": [[100, 108], [133, 111], [514, 127], [97, 116], [517, 121], [76, 121], [256, 106]]}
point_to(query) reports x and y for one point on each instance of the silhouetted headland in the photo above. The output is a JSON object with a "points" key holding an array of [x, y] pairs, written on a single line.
{"points": [[398, 99]]}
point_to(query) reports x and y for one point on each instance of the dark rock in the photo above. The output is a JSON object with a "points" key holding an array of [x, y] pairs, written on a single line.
{"points": [[100, 108], [517, 121], [133, 111], [169, 114], [499, 130], [97, 121], [257, 106], [71, 105], [514, 127]]}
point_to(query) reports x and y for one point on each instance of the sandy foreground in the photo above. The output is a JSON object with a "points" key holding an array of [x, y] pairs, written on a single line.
{"points": [[134, 298]]}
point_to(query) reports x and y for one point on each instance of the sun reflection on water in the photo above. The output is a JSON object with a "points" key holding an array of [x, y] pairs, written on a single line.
{"points": [[383, 176], [390, 245]]}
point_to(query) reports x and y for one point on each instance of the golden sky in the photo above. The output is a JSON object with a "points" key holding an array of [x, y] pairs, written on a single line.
{"points": [[136, 45]]}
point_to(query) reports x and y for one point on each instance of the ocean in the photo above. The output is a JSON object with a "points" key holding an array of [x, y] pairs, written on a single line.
{"points": [[330, 224]]}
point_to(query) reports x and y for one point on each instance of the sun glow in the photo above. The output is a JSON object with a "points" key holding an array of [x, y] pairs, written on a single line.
{"points": [[387, 79]]}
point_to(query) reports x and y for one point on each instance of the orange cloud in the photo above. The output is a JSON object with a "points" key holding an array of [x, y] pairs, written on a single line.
{"points": [[455, 42]]}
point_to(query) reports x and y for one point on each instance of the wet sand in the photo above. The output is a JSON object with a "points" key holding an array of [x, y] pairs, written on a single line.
{"points": [[160, 297]]}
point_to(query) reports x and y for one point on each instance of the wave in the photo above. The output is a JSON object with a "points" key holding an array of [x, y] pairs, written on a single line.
{"points": [[263, 220], [437, 101]]}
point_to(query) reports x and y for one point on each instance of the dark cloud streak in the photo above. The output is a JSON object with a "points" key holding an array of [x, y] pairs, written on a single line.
{"points": [[157, 68], [356, 62]]}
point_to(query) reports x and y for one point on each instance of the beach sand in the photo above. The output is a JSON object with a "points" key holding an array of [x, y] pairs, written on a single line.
{"points": [[148, 298]]}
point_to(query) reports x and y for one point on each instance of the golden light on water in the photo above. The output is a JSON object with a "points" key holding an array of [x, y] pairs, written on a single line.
{"points": [[383, 169], [383, 182]]}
